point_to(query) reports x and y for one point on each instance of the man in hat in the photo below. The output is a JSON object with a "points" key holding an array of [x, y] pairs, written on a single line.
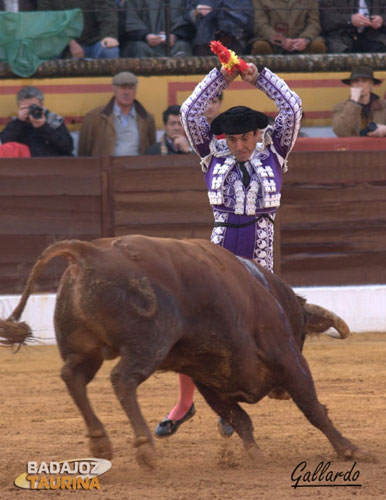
{"points": [[243, 174], [123, 127], [364, 113]]}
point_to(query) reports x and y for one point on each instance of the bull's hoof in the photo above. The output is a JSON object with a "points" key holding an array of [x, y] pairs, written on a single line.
{"points": [[359, 455], [254, 453], [279, 393], [146, 455], [225, 429], [100, 447]]}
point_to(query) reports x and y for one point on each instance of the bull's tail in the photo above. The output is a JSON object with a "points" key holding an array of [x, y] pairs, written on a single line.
{"points": [[319, 319], [13, 332]]}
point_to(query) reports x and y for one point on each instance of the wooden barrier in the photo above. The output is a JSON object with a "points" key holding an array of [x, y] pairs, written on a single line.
{"points": [[332, 219]]}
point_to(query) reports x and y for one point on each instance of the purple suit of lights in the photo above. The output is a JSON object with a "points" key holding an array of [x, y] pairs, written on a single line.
{"points": [[244, 216]]}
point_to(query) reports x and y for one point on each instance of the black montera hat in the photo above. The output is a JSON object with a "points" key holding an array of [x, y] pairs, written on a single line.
{"points": [[238, 120], [361, 72]]}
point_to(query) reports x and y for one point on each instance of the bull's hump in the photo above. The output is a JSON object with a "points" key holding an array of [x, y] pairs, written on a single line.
{"points": [[254, 270]]}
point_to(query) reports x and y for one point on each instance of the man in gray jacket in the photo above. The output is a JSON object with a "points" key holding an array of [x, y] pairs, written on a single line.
{"points": [[146, 29]]}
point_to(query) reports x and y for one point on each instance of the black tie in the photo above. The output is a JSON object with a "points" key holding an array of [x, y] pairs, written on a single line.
{"points": [[244, 171]]}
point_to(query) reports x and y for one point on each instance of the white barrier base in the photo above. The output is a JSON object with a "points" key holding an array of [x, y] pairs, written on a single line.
{"points": [[362, 307]]}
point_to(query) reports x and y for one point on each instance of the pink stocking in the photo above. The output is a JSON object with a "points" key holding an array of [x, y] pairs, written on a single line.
{"points": [[185, 398]]}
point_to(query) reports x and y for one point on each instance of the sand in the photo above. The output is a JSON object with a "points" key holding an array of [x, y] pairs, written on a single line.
{"points": [[39, 422]]}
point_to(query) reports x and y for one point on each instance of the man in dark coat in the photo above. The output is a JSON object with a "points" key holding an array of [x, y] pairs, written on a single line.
{"points": [[353, 25], [146, 29], [38, 128], [174, 140], [224, 20]]}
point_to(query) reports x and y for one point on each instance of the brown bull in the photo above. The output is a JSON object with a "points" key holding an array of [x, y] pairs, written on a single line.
{"points": [[187, 306]]}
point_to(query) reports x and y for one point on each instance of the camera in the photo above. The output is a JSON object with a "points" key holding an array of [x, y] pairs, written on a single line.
{"points": [[35, 111], [369, 128]]}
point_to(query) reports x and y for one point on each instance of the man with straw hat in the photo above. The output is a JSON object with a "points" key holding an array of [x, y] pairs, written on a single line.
{"points": [[364, 113]]}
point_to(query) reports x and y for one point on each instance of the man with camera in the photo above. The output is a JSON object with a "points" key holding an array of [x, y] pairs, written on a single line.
{"points": [[41, 130], [364, 113]]}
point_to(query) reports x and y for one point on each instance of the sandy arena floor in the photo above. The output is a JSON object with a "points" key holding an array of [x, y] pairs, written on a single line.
{"points": [[38, 421]]}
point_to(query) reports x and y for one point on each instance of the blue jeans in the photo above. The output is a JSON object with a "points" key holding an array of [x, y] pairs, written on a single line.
{"points": [[96, 51]]}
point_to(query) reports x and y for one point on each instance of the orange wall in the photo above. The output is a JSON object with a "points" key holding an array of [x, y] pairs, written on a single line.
{"points": [[74, 97]]}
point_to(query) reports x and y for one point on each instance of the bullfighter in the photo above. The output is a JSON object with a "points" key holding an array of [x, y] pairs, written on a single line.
{"points": [[243, 174]]}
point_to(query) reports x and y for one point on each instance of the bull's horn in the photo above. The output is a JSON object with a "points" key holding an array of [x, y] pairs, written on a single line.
{"points": [[320, 319]]}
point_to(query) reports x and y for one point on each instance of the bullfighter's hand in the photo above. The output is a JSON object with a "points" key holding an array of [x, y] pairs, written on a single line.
{"points": [[229, 77], [109, 42], [380, 131], [376, 22], [250, 76]]}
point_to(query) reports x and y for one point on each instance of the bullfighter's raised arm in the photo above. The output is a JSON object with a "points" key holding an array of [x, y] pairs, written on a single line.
{"points": [[197, 127], [287, 122], [289, 104]]}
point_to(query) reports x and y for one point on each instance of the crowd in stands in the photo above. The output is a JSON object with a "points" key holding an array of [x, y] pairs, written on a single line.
{"points": [[154, 28], [139, 28], [123, 127]]}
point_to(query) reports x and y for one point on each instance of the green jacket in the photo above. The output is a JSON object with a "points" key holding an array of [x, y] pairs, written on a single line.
{"points": [[100, 17]]}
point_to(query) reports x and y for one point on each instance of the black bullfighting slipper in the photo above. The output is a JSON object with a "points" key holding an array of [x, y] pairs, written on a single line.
{"points": [[169, 427], [225, 429]]}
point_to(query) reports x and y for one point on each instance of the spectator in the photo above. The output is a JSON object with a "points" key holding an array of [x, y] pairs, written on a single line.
{"points": [[38, 128], [99, 38], [145, 29], [123, 127], [363, 108], [353, 25], [173, 140], [283, 27], [214, 107], [218, 20]]}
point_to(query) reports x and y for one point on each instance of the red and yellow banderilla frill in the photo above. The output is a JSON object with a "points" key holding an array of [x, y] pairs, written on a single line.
{"points": [[229, 60]]}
